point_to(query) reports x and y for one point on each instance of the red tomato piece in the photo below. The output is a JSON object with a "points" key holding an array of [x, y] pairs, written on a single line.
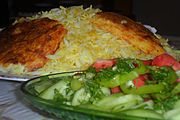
{"points": [[178, 80], [101, 64], [176, 66], [139, 81], [135, 64], [166, 60], [115, 90], [147, 62]]}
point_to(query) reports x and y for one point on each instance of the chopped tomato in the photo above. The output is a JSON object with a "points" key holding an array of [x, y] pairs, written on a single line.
{"points": [[139, 81], [115, 90], [166, 60], [101, 64], [178, 80], [147, 62], [176, 66], [135, 64]]}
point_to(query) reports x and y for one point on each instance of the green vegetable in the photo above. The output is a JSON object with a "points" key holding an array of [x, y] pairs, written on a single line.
{"points": [[176, 89], [124, 78], [107, 100], [58, 96], [141, 68], [128, 65], [163, 74], [178, 73], [40, 87], [41, 84], [143, 113], [149, 104], [76, 84], [172, 114], [96, 91], [166, 104], [177, 104], [119, 102], [84, 96], [146, 89], [80, 97], [61, 86], [107, 78], [124, 65]]}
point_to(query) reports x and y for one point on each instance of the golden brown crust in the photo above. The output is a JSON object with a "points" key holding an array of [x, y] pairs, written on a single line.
{"points": [[29, 42], [126, 29]]}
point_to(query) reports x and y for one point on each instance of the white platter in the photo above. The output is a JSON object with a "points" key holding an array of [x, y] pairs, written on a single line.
{"points": [[11, 77]]}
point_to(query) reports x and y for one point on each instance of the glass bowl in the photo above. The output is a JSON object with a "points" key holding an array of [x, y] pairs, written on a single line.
{"points": [[68, 112]]}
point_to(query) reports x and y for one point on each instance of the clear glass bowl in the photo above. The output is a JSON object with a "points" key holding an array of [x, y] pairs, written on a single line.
{"points": [[67, 112]]}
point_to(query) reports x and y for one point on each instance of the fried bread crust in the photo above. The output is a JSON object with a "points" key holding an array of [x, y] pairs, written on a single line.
{"points": [[129, 30], [29, 42]]}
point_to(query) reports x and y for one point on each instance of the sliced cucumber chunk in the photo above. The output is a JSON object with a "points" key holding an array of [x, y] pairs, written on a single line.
{"points": [[80, 97], [119, 102], [76, 84], [106, 91], [43, 85], [173, 114], [176, 89], [143, 113], [61, 86], [108, 100]]}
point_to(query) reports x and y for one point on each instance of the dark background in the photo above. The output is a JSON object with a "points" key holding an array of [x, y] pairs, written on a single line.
{"points": [[163, 15]]}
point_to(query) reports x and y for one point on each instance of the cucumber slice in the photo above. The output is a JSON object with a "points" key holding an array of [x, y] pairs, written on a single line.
{"points": [[80, 97], [177, 105], [143, 113], [124, 106], [43, 85], [106, 91], [173, 114], [178, 73], [76, 84], [108, 100], [176, 89], [60, 86], [118, 102]]}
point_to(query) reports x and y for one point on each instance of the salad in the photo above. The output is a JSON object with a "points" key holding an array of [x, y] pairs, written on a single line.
{"points": [[145, 88]]}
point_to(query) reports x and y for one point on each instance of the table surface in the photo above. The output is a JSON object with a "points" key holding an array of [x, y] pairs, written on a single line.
{"points": [[12, 106]]}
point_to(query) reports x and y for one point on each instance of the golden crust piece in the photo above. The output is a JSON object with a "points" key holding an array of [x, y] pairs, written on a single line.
{"points": [[127, 29], [29, 42]]}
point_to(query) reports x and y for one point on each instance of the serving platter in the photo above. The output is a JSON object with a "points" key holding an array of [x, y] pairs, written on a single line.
{"points": [[10, 77]]}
